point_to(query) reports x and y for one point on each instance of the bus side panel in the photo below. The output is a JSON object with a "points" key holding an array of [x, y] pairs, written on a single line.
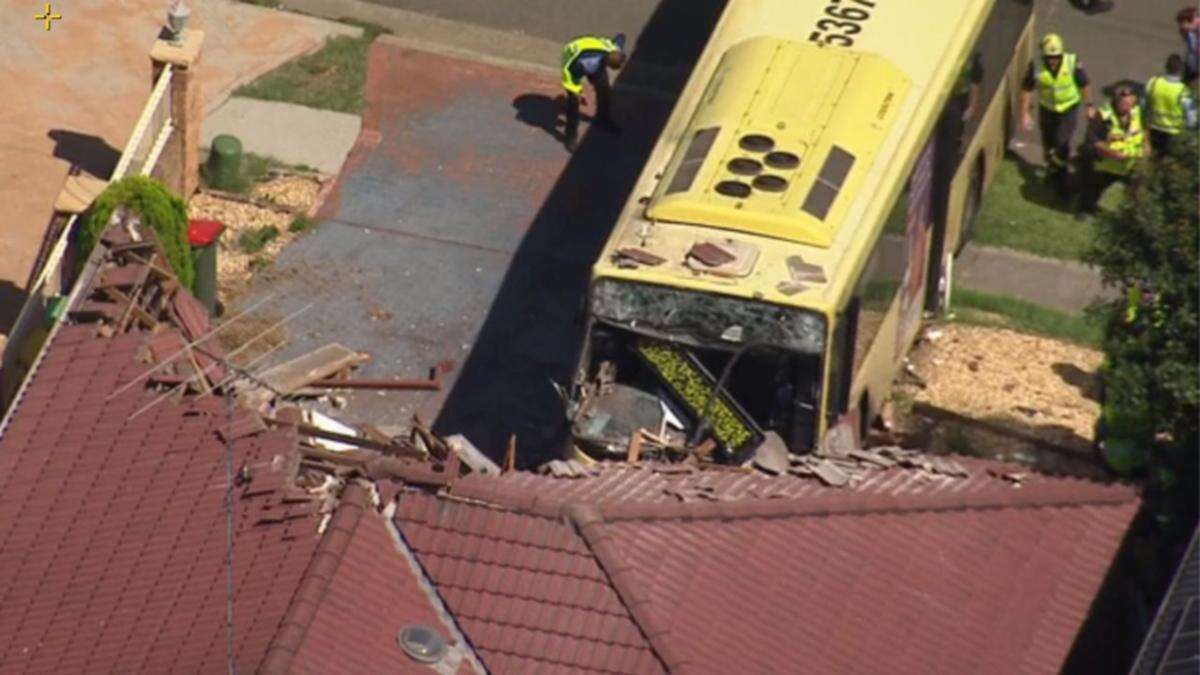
{"points": [[989, 143]]}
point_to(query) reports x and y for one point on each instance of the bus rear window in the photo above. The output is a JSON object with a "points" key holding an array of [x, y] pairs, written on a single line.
{"points": [[829, 182], [693, 159]]}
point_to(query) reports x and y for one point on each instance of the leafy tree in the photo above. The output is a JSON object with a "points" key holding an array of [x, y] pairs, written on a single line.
{"points": [[1149, 249], [158, 208]]}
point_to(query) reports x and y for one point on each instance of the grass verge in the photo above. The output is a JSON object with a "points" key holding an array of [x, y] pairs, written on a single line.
{"points": [[1000, 311], [1020, 211], [331, 78]]}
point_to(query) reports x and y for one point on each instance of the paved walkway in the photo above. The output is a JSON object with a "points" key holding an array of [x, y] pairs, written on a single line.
{"points": [[291, 133], [74, 93], [1064, 285]]}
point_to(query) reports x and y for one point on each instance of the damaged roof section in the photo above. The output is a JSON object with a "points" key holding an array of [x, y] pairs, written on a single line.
{"points": [[121, 552], [355, 550], [727, 570]]}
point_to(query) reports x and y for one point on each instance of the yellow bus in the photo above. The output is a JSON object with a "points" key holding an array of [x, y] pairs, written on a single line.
{"points": [[799, 212]]}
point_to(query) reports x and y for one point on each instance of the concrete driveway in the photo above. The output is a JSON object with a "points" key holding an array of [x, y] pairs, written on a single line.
{"points": [[461, 230]]}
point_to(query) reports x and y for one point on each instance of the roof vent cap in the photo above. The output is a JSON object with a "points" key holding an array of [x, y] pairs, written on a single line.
{"points": [[422, 643]]}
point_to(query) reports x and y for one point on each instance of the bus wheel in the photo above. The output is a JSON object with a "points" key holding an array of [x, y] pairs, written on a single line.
{"points": [[971, 203]]}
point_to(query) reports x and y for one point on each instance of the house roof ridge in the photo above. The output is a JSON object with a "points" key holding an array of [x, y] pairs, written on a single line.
{"points": [[1048, 492], [315, 581], [588, 521], [852, 504]]}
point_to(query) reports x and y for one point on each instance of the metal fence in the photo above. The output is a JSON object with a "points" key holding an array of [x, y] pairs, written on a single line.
{"points": [[55, 275]]}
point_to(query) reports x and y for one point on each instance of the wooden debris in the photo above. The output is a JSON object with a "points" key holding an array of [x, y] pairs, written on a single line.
{"points": [[510, 454], [471, 455], [311, 367], [435, 446], [634, 451], [705, 449], [381, 384]]}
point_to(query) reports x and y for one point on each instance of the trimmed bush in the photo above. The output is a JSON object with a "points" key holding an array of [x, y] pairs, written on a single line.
{"points": [[165, 213], [1149, 249]]}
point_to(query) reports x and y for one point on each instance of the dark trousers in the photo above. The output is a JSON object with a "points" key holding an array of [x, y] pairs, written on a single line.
{"points": [[1057, 130], [600, 83], [1093, 185], [1160, 141]]}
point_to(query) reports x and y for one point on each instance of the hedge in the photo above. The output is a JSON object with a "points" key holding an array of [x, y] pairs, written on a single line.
{"points": [[158, 208]]}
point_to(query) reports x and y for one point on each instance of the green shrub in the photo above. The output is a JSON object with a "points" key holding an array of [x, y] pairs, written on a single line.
{"points": [[253, 241], [300, 224], [1149, 249], [165, 213]]}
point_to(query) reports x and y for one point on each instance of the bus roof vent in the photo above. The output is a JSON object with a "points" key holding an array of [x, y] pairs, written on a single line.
{"points": [[780, 139]]}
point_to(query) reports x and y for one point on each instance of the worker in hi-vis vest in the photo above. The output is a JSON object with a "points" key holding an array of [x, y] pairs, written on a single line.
{"points": [[1170, 106], [590, 57], [1115, 144], [1061, 85]]}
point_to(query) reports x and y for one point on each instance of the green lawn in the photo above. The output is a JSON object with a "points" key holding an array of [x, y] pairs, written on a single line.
{"points": [[1001, 311], [331, 78], [1020, 212]]}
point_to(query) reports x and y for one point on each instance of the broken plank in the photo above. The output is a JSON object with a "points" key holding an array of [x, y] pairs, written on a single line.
{"points": [[318, 364], [343, 383], [471, 455], [510, 454]]}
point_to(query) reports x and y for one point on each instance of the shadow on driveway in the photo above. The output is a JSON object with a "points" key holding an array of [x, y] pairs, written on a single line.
{"points": [[533, 330]]}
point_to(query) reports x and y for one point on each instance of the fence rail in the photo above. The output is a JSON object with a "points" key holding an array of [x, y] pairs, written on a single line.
{"points": [[32, 331]]}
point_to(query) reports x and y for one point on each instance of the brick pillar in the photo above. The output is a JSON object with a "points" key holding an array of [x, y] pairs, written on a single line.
{"points": [[179, 164]]}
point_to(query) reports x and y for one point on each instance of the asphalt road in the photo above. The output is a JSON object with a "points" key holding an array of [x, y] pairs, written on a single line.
{"points": [[560, 21], [1129, 41]]}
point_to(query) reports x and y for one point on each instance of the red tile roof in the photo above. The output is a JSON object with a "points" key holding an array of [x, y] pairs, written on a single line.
{"points": [[372, 591], [114, 530], [905, 572], [526, 590], [114, 553]]}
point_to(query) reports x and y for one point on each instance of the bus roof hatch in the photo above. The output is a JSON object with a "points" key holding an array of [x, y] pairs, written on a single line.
{"points": [[780, 140]]}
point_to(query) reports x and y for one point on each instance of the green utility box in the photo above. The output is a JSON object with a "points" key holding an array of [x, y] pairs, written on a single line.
{"points": [[224, 162]]}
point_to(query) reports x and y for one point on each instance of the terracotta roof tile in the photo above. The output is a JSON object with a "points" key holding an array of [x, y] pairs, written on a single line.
{"points": [[774, 571], [109, 540], [533, 599]]}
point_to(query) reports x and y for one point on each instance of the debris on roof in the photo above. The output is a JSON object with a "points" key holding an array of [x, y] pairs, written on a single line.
{"points": [[395, 549]]}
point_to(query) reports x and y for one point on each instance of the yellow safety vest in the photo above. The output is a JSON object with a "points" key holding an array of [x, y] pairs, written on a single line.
{"points": [[1058, 92], [1164, 100], [1129, 142], [576, 47]]}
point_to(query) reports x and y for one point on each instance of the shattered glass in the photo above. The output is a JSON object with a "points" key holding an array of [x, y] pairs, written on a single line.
{"points": [[706, 317]]}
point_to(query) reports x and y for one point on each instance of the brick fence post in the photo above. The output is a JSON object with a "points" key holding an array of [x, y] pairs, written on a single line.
{"points": [[179, 164]]}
